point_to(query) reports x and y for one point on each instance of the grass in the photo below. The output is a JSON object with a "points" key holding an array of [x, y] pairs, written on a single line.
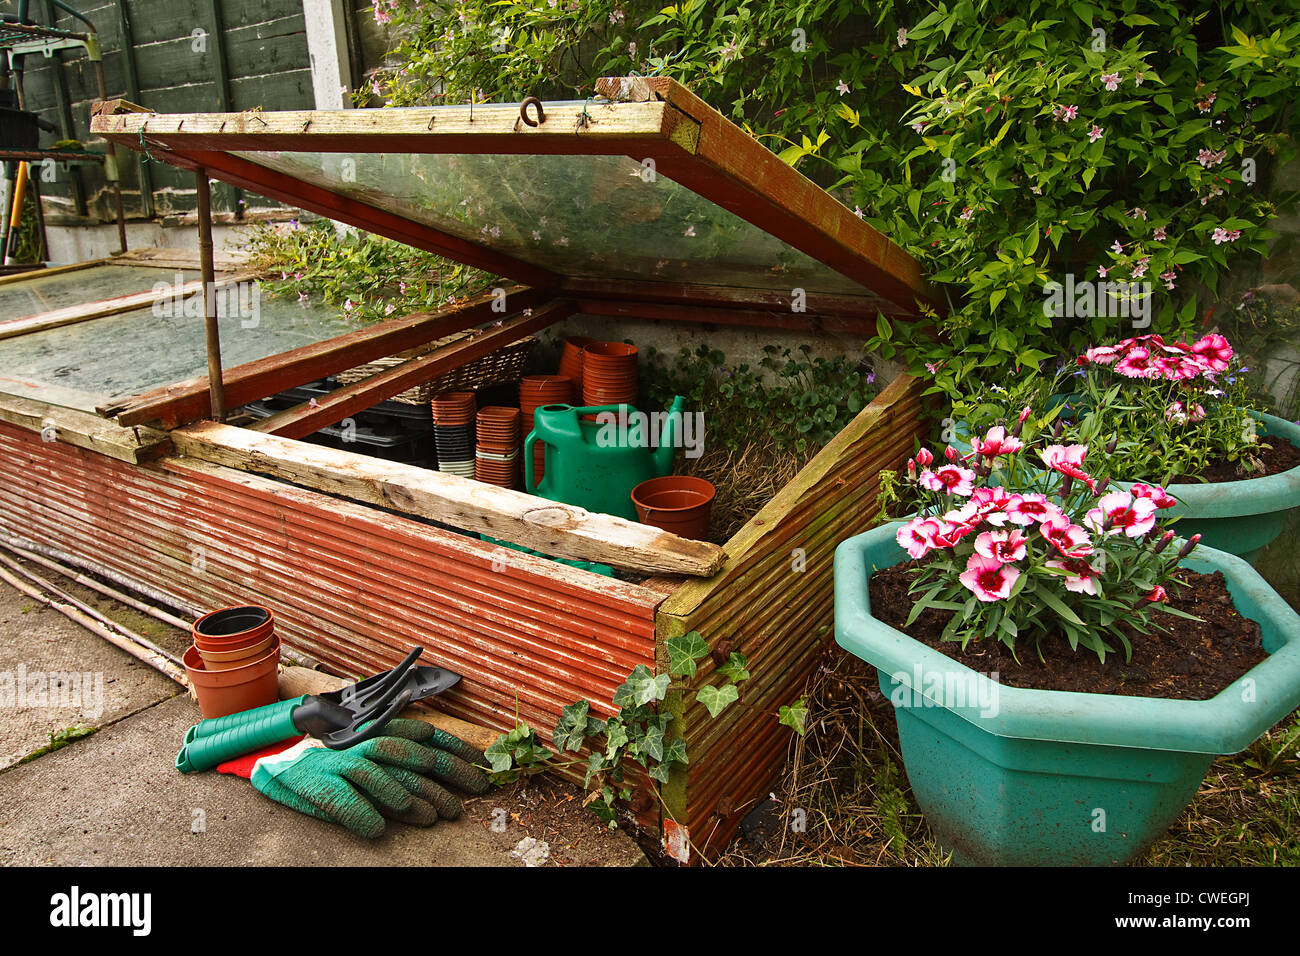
{"points": [[58, 740], [846, 774], [745, 480]]}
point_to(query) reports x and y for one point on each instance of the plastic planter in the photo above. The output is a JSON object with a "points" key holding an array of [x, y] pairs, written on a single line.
{"points": [[1240, 517], [1012, 776]]}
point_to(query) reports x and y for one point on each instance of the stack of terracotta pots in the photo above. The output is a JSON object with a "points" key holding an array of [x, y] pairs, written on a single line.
{"points": [[453, 427], [609, 374], [534, 392], [497, 454], [233, 662], [571, 364]]}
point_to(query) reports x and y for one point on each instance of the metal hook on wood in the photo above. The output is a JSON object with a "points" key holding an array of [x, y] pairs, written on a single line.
{"points": [[523, 111]]}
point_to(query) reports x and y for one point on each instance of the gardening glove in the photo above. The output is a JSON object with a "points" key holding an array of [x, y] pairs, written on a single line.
{"points": [[359, 786]]}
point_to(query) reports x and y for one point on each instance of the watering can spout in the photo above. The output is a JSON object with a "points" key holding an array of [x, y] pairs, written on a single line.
{"points": [[663, 455]]}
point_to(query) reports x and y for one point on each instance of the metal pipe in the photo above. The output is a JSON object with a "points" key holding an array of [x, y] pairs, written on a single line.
{"points": [[216, 386], [89, 582], [121, 641]]}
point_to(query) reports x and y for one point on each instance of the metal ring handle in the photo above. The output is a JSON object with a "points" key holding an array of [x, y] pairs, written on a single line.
{"points": [[523, 111]]}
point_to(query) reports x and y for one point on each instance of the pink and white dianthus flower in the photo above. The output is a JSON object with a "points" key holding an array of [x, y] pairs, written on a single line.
{"points": [[1153, 493], [952, 479], [918, 536], [1068, 538], [1003, 546], [988, 578], [997, 442], [1030, 509], [1213, 351], [1081, 575], [1126, 514]]}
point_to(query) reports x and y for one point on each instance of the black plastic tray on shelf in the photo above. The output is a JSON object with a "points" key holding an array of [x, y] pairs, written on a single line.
{"points": [[415, 418]]}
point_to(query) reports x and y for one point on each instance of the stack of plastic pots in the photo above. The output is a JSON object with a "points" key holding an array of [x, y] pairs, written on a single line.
{"points": [[534, 392], [571, 364], [233, 662], [609, 374], [497, 454], [453, 428]]}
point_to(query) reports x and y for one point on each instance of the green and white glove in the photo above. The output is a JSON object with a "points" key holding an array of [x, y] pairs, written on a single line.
{"points": [[386, 776]]}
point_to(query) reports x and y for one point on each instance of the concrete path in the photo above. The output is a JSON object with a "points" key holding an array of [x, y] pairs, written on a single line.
{"points": [[115, 797]]}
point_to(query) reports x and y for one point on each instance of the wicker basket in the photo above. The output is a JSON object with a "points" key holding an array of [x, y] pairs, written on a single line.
{"points": [[501, 367]]}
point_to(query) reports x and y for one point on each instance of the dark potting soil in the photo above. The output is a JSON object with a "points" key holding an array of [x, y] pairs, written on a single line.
{"points": [[1192, 660], [1280, 456]]}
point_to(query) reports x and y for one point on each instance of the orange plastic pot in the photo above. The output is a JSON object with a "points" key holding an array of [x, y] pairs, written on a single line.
{"points": [[227, 660], [233, 628], [680, 504], [222, 692]]}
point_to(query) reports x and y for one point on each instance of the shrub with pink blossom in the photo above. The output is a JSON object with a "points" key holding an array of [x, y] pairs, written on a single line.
{"points": [[1022, 542]]}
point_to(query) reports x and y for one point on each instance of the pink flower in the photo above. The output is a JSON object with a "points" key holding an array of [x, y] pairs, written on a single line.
{"points": [[1102, 270], [1117, 247], [1213, 352], [1159, 234], [988, 578], [1169, 278], [1137, 363], [924, 458], [1111, 80], [966, 213], [842, 87], [1132, 516], [1158, 595], [1153, 493], [997, 442], [1065, 536], [1095, 133], [1028, 509], [1002, 546], [1137, 212], [1080, 575], [1099, 355], [950, 478], [955, 528], [1068, 113], [1068, 460], [902, 36], [1196, 414], [917, 537], [990, 504], [1208, 157], [1174, 413]]}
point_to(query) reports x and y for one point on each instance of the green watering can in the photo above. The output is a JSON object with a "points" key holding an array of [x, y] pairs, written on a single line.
{"points": [[595, 465]]}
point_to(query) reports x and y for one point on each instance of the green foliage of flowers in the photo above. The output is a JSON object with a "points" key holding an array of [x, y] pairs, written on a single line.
{"points": [[367, 276], [641, 731], [803, 401], [1005, 144]]}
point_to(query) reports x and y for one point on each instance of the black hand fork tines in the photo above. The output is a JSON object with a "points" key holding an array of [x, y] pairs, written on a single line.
{"points": [[372, 705]]}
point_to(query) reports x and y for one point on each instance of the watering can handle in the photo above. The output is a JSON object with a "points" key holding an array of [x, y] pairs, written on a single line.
{"points": [[530, 485]]}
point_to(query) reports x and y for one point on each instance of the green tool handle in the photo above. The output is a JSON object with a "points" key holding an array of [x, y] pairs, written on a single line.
{"points": [[217, 740]]}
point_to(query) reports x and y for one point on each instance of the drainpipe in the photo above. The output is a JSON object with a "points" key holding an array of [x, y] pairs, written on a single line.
{"points": [[216, 387]]}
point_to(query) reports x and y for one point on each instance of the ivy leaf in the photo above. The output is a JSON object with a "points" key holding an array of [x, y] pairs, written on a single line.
{"points": [[795, 716], [641, 687], [716, 699], [571, 730], [652, 744], [734, 669], [684, 651], [675, 751]]}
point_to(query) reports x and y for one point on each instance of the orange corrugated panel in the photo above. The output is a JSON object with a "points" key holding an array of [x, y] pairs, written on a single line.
{"points": [[353, 586]]}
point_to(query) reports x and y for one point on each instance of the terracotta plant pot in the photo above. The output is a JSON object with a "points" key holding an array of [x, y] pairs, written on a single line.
{"points": [[222, 692], [236, 657], [677, 503], [233, 628], [571, 363]]}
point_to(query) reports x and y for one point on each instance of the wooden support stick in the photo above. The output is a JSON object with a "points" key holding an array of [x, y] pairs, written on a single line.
{"points": [[216, 389]]}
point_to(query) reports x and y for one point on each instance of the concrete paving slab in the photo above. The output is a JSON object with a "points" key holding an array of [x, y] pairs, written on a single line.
{"points": [[116, 799], [56, 675]]}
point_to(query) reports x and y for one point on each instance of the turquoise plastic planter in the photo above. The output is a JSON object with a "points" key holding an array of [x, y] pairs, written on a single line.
{"points": [[1012, 776], [1240, 517]]}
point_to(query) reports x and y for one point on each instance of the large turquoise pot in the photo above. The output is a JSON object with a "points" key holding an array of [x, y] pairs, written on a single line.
{"points": [[1240, 517], [1012, 776]]}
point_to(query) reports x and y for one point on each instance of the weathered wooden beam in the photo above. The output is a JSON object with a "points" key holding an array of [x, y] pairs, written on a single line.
{"points": [[188, 401], [569, 128], [51, 271], [748, 318], [302, 420], [632, 292], [73, 427], [550, 527]]}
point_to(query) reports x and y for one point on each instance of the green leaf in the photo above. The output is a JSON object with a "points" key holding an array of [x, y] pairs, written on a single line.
{"points": [[641, 687], [734, 669], [716, 699], [571, 729], [683, 652], [794, 716]]}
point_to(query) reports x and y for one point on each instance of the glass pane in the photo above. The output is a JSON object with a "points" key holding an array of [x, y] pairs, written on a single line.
{"points": [[46, 293], [584, 216], [89, 363]]}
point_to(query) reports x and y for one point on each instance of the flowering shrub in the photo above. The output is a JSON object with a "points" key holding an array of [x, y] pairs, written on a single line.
{"points": [[1047, 550]]}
